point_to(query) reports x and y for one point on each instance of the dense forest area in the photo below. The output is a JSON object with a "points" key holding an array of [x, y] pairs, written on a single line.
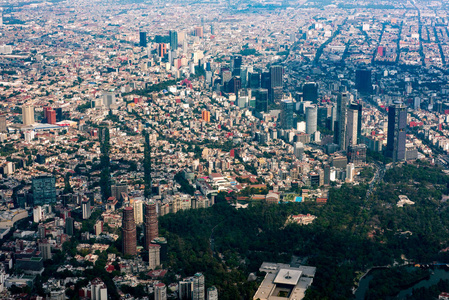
{"points": [[351, 234]]}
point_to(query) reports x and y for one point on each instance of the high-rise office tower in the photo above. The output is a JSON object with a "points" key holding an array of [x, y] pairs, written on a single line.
{"points": [[340, 123], [212, 29], [310, 92], [3, 127], [261, 96], [397, 122], [151, 224], [311, 119], [44, 190], [236, 65], [69, 223], [276, 74], [59, 114], [276, 84], [129, 232], [198, 31], [286, 116], [27, 114], [253, 80], [173, 40], [265, 80], [363, 81], [234, 85], [352, 125], [142, 39]]}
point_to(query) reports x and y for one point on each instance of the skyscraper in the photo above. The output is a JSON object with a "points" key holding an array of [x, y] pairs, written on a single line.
{"points": [[3, 127], [151, 224], [340, 123], [276, 84], [142, 39], [138, 211], [161, 49], [236, 65], [311, 119], [173, 39], [129, 232], [286, 116], [160, 291], [352, 125], [27, 114], [198, 31], [253, 80], [44, 190], [87, 211], [310, 92], [363, 81], [154, 256], [261, 96], [198, 287], [51, 116], [276, 74], [397, 122], [69, 223]]}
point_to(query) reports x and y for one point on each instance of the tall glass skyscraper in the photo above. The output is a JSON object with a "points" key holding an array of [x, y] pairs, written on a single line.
{"points": [[397, 123]]}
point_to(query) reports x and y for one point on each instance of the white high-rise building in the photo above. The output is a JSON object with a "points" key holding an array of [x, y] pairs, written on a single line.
{"points": [[98, 290], [154, 256], [38, 214], [350, 172], [160, 292], [108, 99], [138, 211], [212, 293]]}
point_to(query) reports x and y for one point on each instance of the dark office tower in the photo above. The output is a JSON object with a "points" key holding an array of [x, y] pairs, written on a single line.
{"points": [[234, 85], [173, 40], [363, 81], [151, 224], [276, 74], [143, 39], [69, 226], [265, 80], [261, 96], [253, 80], [44, 190], [3, 123], [310, 92], [340, 123], [129, 232], [59, 114], [323, 115], [236, 65], [286, 116], [397, 122], [276, 94], [212, 29]]}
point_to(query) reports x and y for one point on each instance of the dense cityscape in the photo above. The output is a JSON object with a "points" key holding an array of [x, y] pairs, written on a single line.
{"points": [[224, 150]]}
